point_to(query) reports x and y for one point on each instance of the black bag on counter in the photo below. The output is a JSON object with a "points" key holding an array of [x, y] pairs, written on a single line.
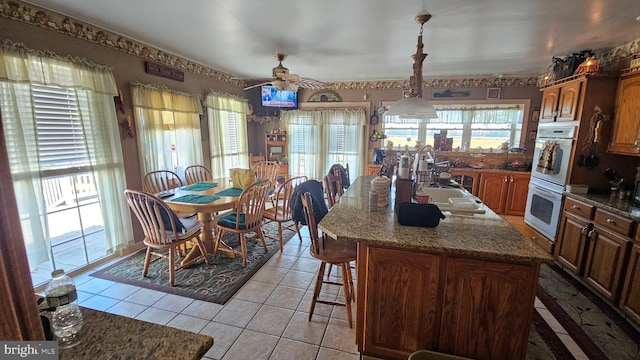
{"points": [[423, 215]]}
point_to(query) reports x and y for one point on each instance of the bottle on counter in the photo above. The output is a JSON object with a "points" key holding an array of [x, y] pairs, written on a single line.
{"points": [[373, 200], [66, 320]]}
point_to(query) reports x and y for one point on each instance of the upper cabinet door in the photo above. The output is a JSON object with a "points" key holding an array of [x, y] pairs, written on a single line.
{"points": [[569, 101], [626, 128], [549, 105]]}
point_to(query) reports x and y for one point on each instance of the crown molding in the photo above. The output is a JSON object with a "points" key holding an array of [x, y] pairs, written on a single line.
{"points": [[47, 19]]}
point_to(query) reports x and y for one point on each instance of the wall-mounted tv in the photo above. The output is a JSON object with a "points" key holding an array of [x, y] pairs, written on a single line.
{"points": [[272, 97]]}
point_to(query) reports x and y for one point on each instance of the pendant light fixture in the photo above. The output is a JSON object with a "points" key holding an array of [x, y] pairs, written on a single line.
{"points": [[413, 106]]}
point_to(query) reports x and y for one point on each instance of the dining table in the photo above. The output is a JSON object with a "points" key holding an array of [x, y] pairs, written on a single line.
{"points": [[205, 199]]}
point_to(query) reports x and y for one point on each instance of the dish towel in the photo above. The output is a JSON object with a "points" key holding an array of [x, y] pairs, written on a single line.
{"points": [[195, 199], [230, 192], [200, 186], [548, 158]]}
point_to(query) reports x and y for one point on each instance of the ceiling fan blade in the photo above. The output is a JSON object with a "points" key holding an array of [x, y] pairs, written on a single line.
{"points": [[256, 85], [308, 83], [288, 77]]}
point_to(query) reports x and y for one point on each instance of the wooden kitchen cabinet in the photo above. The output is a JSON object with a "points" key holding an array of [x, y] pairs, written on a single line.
{"points": [[397, 322], [561, 102], [470, 180], [575, 225], [630, 297], [417, 300], [608, 247], [607, 251], [625, 139], [504, 192], [571, 248]]}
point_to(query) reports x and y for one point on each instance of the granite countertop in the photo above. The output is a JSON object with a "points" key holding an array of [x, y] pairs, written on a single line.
{"points": [[485, 236], [110, 336], [617, 206]]}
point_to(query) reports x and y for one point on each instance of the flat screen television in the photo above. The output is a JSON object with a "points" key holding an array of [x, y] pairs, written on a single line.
{"points": [[284, 99]]}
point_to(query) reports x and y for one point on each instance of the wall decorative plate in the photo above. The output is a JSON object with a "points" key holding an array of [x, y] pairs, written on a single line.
{"points": [[325, 96]]}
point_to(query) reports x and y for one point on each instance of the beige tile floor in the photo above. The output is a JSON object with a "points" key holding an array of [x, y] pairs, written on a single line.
{"points": [[266, 319]]}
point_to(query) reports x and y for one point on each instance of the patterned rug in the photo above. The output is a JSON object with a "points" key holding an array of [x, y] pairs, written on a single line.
{"points": [[214, 283], [597, 329]]}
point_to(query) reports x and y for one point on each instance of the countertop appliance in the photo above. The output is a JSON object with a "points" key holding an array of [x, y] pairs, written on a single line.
{"points": [[553, 151]]}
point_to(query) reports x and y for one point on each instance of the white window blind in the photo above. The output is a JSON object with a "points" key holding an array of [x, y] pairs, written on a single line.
{"points": [[61, 142]]}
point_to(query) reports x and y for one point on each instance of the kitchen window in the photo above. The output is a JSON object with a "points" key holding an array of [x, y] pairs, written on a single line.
{"points": [[470, 126]]}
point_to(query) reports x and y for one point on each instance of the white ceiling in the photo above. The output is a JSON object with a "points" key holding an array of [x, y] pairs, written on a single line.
{"points": [[342, 40]]}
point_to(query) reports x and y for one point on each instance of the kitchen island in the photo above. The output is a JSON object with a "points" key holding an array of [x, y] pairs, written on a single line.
{"points": [[465, 287], [109, 336]]}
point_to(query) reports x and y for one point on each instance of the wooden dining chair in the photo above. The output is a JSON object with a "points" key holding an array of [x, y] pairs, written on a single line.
{"points": [[197, 173], [161, 180], [280, 212], [343, 172], [163, 230], [254, 159], [333, 252], [332, 185], [266, 170], [245, 218]]}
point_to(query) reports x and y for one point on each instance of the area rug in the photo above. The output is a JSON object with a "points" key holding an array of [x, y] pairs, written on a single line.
{"points": [[597, 329], [214, 283]]}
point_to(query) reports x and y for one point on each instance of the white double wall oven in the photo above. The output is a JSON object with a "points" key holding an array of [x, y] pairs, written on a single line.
{"points": [[553, 154]]}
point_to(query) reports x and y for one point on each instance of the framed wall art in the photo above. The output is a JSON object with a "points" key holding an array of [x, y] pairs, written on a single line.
{"points": [[493, 93]]}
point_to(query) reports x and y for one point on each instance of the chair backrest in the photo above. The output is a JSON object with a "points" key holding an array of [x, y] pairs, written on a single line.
{"points": [[253, 159], [266, 170], [251, 203], [283, 196], [197, 173], [161, 180], [332, 188], [307, 205], [343, 172], [155, 217]]}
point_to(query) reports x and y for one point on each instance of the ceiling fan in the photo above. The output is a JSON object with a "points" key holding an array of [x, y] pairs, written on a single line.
{"points": [[283, 80]]}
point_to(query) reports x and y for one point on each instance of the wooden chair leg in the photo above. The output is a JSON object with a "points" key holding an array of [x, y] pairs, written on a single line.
{"points": [[171, 266], [298, 231], [243, 244], [262, 238], [329, 271], [217, 242], [203, 250], [347, 290], [316, 288], [147, 261], [353, 290], [280, 234]]}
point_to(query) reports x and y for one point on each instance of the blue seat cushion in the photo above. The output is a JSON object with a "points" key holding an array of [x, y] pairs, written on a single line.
{"points": [[229, 221], [166, 219]]}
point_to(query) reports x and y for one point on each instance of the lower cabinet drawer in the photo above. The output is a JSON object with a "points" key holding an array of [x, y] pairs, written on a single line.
{"points": [[617, 223]]}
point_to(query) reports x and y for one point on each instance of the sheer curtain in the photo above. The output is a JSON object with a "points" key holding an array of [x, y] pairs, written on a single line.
{"points": [[321, 138], [227, 116], [168, 128], [94, 85]]}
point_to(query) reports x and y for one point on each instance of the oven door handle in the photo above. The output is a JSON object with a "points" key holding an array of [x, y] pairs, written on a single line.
{"points": [[550, 193]]}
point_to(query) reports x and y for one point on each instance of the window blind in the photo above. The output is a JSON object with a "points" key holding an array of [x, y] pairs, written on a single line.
{"points": [[61, 142]]}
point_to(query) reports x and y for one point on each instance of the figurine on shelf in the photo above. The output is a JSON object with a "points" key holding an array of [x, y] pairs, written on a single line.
{"points": [[389, 145]]}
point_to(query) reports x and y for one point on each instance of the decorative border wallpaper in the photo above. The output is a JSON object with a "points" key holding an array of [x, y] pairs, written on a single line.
{"points": [[19, 11]]}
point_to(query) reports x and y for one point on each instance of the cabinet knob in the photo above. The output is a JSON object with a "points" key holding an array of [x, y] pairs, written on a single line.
{"points": [[510, 178], [575, 207], [505, 179], [611, 221]]}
